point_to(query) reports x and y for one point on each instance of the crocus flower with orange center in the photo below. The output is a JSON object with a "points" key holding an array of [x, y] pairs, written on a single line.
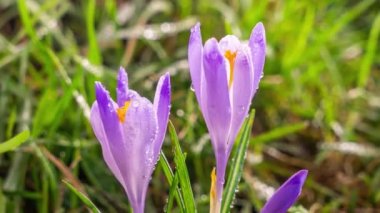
{"points": [[131, 133], [225, 76]]}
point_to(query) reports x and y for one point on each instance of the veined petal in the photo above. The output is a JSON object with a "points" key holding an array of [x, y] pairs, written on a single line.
{"points": [[140, 131], [218, 110], [242, 91], [195, 59], [257, 43], [162, 108], [97, 125], [122, 87], [286, 195]]}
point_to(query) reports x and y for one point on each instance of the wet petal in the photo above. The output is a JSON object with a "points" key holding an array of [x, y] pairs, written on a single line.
{"points": [[140, 131], [218, 110], [122, 87], [195, 59], [242, 91], [112, 128], [162, 108], [257, 43], [97, 125], [286, 195]]}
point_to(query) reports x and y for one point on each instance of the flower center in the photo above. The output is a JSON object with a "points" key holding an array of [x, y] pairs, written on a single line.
{"points": [[121, 111], [230, 56]]}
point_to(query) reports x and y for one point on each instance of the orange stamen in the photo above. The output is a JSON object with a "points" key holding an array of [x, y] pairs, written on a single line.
{"points": [[121, 111], [230, 56]]}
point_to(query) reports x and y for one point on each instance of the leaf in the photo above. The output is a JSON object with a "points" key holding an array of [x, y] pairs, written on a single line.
{"points": [[278, 133], [14, 142], [94, 55], [183, 175], [172, 193], [169, 176], [236, 167], [370, 55], [82, 197]]}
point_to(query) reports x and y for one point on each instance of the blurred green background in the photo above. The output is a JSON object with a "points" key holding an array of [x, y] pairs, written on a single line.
{"points": [[318, 105]]}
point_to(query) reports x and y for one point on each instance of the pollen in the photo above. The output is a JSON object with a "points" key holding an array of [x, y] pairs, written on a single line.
{"points": [[231, 56], [121, 111]]}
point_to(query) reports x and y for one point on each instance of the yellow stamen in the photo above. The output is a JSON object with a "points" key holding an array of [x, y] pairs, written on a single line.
{"points": [[230, 56], [213, 198], [121, 111]]}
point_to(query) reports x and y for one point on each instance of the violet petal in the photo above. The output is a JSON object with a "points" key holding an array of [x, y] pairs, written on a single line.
{"points": [[97, 125], [161, 106], [286, 195], [195, 59], [257, 43], [242, 92], [218, 108], [122, 87]]}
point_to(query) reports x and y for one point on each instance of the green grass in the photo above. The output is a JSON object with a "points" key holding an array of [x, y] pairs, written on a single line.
{"points": [[321, 85]]}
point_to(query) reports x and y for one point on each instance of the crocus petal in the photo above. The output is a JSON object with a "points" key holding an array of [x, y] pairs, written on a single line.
{"points": [[161, 106], [218, 110], [195, 59], [140, 131], [122, 87], [286, 195], [229, 42], [242, 91], [257, 44], [111, 126], [97, 125]]}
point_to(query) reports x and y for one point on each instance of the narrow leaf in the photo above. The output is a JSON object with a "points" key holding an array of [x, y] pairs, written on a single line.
{"points": [[172, 193], [82, 197], [169, 176], [183, 175], [278, 133], [14, 142], [237, 163]]}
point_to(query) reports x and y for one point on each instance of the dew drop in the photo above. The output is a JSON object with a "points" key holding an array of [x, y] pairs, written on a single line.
{"points": [[180, 113], [241, 109], [192, 88], [135, 104]]}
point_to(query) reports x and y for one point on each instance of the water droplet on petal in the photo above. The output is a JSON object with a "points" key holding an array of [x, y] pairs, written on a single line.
{"points": [[135, 104], [192, 88], [241, 109]]}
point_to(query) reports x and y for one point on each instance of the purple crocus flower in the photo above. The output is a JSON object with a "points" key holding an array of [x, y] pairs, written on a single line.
{"points": [[286, 195], [131, 133], [225, 76]]}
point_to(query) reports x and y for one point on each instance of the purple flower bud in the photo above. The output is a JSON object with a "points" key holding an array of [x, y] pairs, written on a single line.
{"points": [[286, 195]]}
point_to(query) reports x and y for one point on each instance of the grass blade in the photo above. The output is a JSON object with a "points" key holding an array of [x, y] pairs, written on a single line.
{"points": [[278, 133], [183, 175], [237, 164], [82, 197], [170, 176], [14, 142], [93, 52], [370, 55], [172, 193]]}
